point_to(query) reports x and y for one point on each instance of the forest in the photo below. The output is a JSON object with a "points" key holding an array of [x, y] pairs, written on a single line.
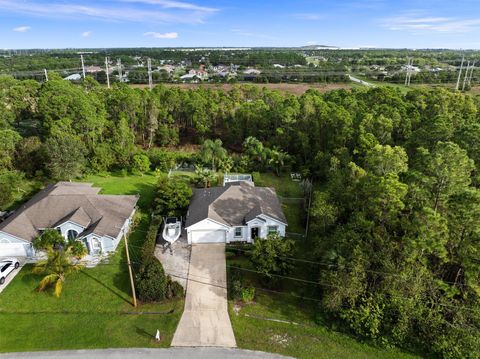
{"points": [[395, 215]]}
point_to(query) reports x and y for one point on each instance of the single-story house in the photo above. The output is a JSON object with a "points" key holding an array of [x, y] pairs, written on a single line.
{"points": [[77, 211], [237, 212]]}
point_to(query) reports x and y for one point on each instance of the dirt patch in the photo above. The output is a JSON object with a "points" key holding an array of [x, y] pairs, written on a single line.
{"points": [[281, 339]]}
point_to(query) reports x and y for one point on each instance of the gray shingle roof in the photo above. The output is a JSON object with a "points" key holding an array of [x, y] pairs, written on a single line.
{"points": [[76, 202], [234, 204]]}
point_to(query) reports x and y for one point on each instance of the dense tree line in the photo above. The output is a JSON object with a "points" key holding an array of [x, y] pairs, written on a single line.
{"points": [[396, 224]]}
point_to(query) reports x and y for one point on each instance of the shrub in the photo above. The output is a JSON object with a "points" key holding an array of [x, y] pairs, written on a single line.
{"points": [[269, 256], [172, 196], [174, 289], [248, 294], [141, 163], [152, 282], [161, 159], [148, 248]]}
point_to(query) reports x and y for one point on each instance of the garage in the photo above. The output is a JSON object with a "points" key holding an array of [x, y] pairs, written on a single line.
{"points": [[218, 236], [13, 249]]}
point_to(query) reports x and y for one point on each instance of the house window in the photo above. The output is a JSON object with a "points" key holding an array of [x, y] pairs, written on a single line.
{"points": [[272, 229], [72, 234], [238, 232]]}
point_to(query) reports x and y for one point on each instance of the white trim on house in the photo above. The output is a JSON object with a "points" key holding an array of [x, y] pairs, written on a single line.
{"points": [[208, 225]]}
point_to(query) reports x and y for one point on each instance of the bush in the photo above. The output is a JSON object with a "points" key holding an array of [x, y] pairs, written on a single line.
{"points": [[269, 256], [172, 196], [148, 248], [152, 282], [161, 159], [174, 289], [141, 163], [248, 294]]}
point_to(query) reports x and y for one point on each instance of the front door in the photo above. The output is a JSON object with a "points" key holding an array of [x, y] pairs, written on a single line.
{"points": [[97, 246], [254, 232]]}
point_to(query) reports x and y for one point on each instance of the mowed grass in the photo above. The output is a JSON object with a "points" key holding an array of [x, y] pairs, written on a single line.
{"points": [[304, 339], [95, 308]]}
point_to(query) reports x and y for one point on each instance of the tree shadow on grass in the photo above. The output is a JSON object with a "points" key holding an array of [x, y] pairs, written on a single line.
{"points": [[144, 333], [118, 294]]}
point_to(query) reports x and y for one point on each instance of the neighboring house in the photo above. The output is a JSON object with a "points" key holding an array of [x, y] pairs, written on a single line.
{"points": [[77, 211], [239, 211]]}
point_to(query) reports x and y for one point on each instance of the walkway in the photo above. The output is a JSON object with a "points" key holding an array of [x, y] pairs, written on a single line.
{"points": [[205, 321]]}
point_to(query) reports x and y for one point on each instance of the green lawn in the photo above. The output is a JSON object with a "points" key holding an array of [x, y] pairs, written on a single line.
{"points": [[93, 311], [306, 338], [283, 184]]}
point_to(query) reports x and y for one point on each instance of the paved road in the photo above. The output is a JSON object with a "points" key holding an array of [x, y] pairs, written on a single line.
{"points": [[189, 353], [205, 321]]}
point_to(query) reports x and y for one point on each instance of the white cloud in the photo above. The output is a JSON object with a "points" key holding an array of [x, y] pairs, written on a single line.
{"points": [[309, 16], [154, 11], [158, 35], [21, 28], [174, 5], [86, 33], [415, 22]]}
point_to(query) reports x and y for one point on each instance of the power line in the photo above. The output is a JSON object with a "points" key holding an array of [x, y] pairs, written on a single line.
{"points": [[343, 266]]}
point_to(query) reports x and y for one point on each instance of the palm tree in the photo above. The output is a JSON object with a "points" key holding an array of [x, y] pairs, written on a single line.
{"points": [[55, 269], [277, 160], [212, 151], [205, 176]]}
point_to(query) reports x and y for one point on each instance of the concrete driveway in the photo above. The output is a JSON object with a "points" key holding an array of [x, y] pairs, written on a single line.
{"points": [[12, 275], [205, 321]]}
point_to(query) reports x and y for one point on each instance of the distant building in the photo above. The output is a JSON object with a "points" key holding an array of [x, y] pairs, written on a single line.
{"points": [[252, 72], [93, 69], [73, 77]]}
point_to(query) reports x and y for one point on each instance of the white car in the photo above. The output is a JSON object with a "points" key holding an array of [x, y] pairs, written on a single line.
{"points": [[6, 267]]}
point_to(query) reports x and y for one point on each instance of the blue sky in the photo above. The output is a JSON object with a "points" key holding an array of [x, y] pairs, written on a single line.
{"points": [[189, 23]]}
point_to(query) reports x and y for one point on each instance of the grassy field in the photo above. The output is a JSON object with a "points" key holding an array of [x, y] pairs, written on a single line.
{"points": [[94, 310], [287, 321]]}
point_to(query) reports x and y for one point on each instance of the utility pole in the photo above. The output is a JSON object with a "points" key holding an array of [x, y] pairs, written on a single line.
{"points": [[471, 74], [460, 74], [408, 70], [466, 76], [83, 66], [119, 65], [130, 271], [150, 83], [106, 70], [46, 74]]}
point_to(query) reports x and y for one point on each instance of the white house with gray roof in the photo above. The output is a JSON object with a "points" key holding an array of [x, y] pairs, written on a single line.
{"points": [[77, 211], [237, 212]]}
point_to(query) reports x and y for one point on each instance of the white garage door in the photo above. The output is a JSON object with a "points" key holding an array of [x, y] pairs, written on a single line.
{"points": [[208, 236], [13, 250]]}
